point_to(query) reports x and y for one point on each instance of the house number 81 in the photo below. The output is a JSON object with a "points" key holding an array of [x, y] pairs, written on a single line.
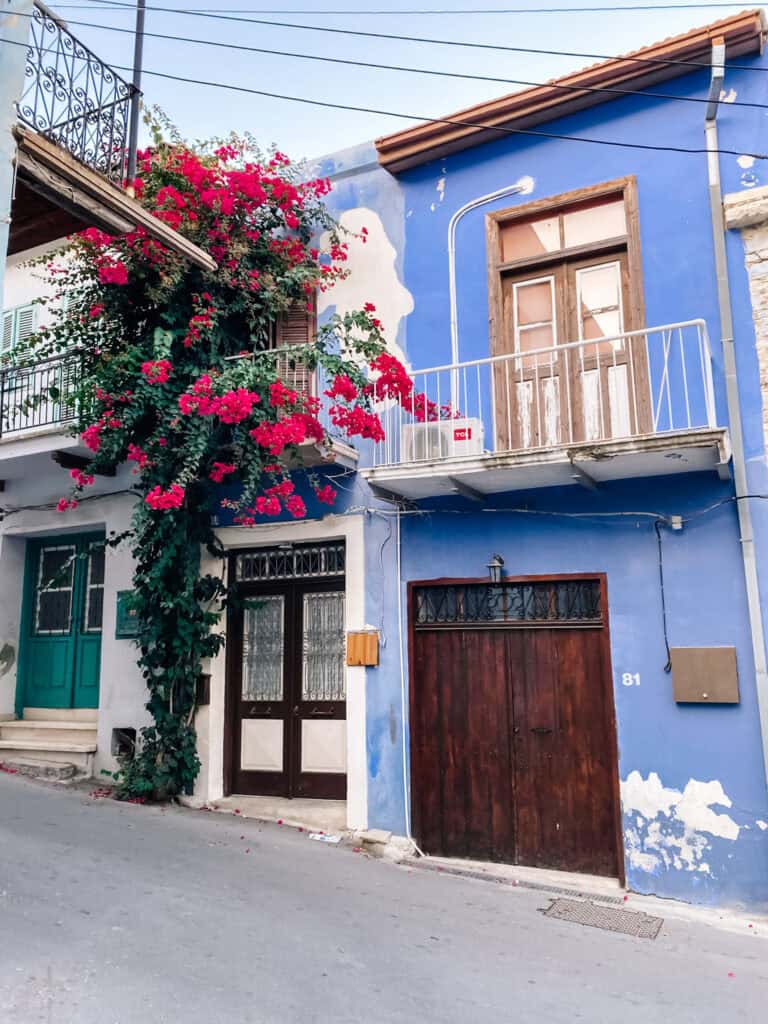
{"points": [[630, 679]]}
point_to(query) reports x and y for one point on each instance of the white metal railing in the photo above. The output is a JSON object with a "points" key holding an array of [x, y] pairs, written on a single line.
{"points": [[639, 383]]}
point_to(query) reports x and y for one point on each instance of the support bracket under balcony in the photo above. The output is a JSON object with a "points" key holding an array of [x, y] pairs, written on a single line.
{"points": [[466, 491], [582, 477]]}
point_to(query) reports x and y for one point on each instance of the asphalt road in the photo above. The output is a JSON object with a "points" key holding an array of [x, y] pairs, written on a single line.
{"points": [[113, 914]]}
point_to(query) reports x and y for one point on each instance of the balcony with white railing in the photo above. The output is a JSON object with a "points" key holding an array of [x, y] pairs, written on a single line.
{"points": [[590, 411]]}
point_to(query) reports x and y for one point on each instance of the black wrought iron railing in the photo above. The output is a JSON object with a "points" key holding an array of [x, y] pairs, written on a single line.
{"points": [[74, 98], [41, 395]]}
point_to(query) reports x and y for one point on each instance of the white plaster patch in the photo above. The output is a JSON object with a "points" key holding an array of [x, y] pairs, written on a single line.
{"points": [[745, 161], [441, 188], [675, 833], [728, 97], [374, 278], [762, 825]]}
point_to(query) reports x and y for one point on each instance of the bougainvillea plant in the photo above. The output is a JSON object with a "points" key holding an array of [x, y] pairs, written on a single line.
{"points": [[179, 378]]}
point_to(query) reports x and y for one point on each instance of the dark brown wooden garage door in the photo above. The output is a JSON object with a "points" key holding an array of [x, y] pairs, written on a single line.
{"points": [[513, 748]]}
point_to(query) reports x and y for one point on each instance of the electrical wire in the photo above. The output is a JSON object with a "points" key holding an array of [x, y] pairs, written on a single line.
{"points": [[50, 506], [432, 72], [666, 62], [101, 5], [497, 129]]}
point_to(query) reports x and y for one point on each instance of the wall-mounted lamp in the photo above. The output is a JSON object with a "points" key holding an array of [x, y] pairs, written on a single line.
{"points": [[494, 568]]}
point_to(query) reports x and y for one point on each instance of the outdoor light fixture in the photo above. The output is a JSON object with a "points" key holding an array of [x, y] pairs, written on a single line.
{"points": [[494, 568]]}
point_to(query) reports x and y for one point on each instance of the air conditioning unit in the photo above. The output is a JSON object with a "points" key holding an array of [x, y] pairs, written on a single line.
{"points": [[428, 442]]}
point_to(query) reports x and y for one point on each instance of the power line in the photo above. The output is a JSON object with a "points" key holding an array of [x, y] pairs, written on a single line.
{"points": [[609, 90], [498, 129], [119, 5], [390, 12]]}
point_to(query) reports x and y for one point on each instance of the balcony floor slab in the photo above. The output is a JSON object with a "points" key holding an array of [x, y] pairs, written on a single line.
{"points": [[692, 451]]}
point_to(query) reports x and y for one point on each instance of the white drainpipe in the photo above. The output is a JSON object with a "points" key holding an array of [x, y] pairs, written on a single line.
{"points": [[524, 186], [732, 395]]}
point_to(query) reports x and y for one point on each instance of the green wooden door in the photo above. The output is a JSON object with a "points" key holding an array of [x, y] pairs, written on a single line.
{"points": [[60, 649]]}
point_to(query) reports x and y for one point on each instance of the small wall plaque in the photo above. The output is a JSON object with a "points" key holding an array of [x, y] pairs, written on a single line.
{"points": [[363, 648], [705, 675], [127, 624]]}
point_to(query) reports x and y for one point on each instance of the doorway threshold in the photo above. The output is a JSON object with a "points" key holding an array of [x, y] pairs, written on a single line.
{"points": [[571, 883], [317, 815]]}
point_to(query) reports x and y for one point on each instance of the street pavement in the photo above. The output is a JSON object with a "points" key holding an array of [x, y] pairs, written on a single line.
{"points": [[121, 914]]}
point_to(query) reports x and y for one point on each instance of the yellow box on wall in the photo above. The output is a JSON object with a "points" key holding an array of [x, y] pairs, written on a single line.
{"points": [[363, 648]]}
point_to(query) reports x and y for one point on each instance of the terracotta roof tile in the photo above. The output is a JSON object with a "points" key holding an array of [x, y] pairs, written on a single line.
{"points": [[743, 33]]}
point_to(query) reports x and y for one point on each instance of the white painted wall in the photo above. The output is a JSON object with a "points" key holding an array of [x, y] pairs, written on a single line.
{"points": [[122, 693], [23, 284]]}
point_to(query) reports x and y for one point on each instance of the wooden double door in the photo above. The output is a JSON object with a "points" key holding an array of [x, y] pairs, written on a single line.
{"points": [[513, 749], [286, 689], [574, 377]]}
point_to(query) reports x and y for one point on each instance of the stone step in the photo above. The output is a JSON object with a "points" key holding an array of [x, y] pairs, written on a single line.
{"points": [[61, 715], [23, 752], [49, 732]]}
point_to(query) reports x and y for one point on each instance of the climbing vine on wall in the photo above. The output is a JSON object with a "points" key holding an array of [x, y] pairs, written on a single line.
{"points": [[180, 378]]}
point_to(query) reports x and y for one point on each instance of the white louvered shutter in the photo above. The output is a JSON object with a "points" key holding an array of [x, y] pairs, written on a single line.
{"points": [[9, 320], [26, 323], [297, 326]]}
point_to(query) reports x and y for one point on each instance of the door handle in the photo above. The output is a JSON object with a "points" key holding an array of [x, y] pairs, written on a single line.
{"points": [[321, 713], [541, 730]]}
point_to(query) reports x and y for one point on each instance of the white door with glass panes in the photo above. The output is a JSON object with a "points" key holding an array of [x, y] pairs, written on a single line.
{"points": [[564, 309]]}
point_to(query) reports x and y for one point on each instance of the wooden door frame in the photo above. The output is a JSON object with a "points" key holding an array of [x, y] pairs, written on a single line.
{"points": [[33, 545], [610, 704], [292, 659]]}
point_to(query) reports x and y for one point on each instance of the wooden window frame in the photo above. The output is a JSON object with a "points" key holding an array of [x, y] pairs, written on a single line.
{"points": [[620, 188]]}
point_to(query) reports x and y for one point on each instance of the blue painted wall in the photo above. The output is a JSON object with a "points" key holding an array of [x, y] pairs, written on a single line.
{"points": [[709, 841]]}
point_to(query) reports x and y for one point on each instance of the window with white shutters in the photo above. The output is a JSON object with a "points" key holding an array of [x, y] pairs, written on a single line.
{"points": [[18, 324]]}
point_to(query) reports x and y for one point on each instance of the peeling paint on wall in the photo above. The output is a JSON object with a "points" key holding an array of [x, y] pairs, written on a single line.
{"points": [[762, 825], [672, 829], [745, 160], [728, 97], [7, 658], [375, 278], [441, 188]]}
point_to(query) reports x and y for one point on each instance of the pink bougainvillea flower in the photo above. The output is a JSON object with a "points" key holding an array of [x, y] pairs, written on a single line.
{"points": [[157, 371], [220, 470], [112, 271], [326, 494], [95, 310], [280, 395], [81, 479], [296, 506], [342, 387], [91, 436], [162, 501]]}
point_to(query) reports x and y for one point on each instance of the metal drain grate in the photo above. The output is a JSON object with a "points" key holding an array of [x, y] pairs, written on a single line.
{"points": [[628, 922], [541, 887]]}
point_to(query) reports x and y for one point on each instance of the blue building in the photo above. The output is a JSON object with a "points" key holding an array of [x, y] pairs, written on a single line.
{"points": [[531, 628], [574, 275]]}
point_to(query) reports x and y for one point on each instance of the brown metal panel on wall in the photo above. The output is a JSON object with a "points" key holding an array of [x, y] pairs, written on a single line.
{"points": [[513, 740]]}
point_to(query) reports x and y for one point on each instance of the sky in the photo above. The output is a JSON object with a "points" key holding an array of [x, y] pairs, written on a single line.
{"points": [[201, 112]]}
